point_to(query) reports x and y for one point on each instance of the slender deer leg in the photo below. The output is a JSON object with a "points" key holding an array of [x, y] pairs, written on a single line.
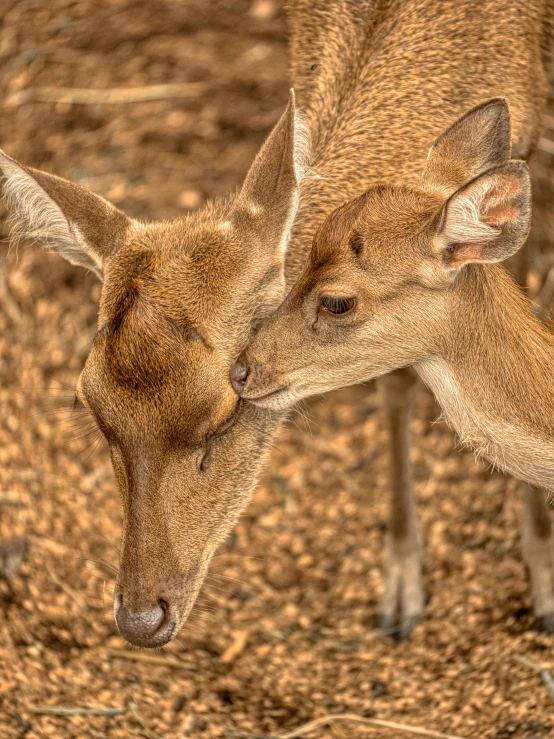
{"points": [[537, 544], [402, 600], [537, 541]]}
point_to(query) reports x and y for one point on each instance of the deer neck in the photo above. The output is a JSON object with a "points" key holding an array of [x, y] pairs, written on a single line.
{"points": [[493, 375], [374, 103]]}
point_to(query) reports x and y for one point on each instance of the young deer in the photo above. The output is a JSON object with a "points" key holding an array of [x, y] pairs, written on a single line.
{"points": [[405, 276], [181, 300]]}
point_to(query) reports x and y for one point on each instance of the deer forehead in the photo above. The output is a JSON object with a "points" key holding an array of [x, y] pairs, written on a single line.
{"points": [[148, 364], [137, 391], [383, 217]]}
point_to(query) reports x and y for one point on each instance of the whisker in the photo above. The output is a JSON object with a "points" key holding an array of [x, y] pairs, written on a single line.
{"points": [[100, 563], [111, 543], [237, 556], [95, 441], [94, 448], [230, 579]]}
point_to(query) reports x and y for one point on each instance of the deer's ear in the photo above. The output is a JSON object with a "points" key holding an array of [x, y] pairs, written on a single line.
{"points": [[488, 219], [477, 141], [269, 198], [82, 227]]}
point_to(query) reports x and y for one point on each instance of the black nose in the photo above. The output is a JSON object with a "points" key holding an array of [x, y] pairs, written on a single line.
{"points": [[151, 628], [239, 376]]}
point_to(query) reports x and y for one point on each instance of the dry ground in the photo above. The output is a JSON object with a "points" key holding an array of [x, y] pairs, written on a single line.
{"points": [[289, 636]]}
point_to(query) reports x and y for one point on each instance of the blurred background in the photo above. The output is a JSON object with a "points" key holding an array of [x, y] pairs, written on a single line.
{"points": [[283, 632]]}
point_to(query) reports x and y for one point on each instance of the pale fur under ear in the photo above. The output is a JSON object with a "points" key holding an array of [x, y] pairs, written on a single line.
{"points": [[487, 220], [81, 227]]}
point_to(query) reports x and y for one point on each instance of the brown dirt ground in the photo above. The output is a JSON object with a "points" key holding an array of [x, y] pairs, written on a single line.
{"points": [[305, 560]]}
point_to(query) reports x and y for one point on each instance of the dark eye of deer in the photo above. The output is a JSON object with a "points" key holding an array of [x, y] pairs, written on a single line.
{"points": [[337, 306]]}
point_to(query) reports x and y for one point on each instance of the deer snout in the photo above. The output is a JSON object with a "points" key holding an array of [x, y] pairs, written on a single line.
{"points": [[239, 375], [149, 628], [250, 378], [257, 383]]}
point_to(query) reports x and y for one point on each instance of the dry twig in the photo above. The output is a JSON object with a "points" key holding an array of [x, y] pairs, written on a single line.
{"points": [[546, 145], [546, 675], [75, 711], [11, 308], [235, 648], [153, 659], [52, 546], [375, 722], [86, 96], [152, 734]]}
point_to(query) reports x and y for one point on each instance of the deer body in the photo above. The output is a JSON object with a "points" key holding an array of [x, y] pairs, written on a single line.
{"points": [[377, 81]]}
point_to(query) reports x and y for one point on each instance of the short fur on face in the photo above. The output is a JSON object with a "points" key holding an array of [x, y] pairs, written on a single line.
{"points": [[392, 258], [179, 301]]}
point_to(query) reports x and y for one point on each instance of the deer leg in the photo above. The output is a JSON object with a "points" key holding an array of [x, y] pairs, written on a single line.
{"points": [[537, 541], [402, 600], [537, 544]]}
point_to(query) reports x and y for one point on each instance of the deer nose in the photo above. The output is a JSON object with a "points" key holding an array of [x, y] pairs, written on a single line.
{"points": [[239, 375], [151, 628]]}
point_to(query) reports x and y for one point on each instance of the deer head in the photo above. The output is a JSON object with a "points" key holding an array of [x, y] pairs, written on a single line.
{"points": [[384, 269], [179, 301]]}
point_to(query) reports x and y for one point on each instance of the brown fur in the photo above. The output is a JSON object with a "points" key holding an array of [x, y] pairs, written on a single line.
{"points": [[403, 257], [181, 299], [417, 302]]}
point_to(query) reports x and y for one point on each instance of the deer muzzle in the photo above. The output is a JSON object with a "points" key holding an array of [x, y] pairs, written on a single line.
{"points": [[151, 627], [256, 383]]}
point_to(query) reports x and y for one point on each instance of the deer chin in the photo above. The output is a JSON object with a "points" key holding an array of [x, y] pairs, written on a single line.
{"points": [[278, 399]]}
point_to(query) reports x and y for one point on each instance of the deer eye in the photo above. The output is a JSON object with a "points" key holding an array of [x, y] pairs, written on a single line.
{"points": [[337, 306]]}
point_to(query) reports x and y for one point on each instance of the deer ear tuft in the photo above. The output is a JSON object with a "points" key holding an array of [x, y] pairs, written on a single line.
{"points": [[82, 227], [270, 195], [488, 219]]}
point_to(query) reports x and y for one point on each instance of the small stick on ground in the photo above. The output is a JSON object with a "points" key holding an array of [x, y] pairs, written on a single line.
{"points": [[374, 722], [153, 659], [86, 96], [75, 711], [52, 546], [546, 675], [236, 647], [152, 734]]}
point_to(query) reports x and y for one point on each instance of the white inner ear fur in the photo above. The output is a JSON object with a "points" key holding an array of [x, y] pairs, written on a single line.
{"points": [[34, 215], [301, 160], [466, 213]]}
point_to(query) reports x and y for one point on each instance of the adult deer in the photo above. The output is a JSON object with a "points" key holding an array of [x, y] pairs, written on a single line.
{"points": [[180, 300]]}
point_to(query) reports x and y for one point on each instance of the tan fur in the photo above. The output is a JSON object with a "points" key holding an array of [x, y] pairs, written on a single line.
{"points": [[403, 256], [180, 300], [466, 328]]}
